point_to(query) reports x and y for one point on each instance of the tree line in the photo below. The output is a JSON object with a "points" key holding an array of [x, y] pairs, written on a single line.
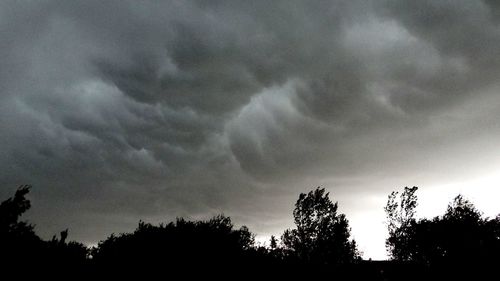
{"points": [[458, 243]]}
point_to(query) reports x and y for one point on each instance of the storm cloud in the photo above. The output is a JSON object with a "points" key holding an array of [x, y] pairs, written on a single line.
{"points": [[124, 110]]}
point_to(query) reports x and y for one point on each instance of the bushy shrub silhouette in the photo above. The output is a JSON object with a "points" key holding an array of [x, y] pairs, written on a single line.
{"points": [[181, 244]]}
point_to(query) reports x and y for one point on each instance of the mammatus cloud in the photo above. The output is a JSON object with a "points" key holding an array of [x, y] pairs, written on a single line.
{"points": [[121, 110]]}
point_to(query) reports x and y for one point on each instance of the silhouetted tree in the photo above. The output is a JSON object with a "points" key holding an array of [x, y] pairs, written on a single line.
{"points": [[22, 248], [451, 246], [182, 244], [464, 230], [10, 212], [66, 255], [18, 241], [322, 235], [400, 222], [459, 240], [273, 242]]}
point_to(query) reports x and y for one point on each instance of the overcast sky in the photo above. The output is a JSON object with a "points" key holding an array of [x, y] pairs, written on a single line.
{"points": [[117, 111]]}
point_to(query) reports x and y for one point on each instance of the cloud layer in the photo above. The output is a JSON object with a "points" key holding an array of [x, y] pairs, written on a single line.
{"points": [[122, 110]]}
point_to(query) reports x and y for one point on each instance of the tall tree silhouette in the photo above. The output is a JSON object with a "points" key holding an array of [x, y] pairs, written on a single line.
{"points": [[400, 222], [322, 235]]}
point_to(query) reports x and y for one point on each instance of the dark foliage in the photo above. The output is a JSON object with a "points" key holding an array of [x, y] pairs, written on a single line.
{"points": [[22, 249], [17, 238], [460, 244], [322, 235], [198, 244], [400, 219]]}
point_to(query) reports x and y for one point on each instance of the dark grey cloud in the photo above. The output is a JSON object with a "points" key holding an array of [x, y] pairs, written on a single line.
{"points": [[121, 110]]}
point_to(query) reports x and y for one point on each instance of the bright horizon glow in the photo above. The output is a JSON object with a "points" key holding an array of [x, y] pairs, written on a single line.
{"points": [[369, 229], [370, 233]]}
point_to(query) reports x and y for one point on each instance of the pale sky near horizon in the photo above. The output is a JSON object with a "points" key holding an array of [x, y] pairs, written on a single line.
{"points": [[117, 111]]}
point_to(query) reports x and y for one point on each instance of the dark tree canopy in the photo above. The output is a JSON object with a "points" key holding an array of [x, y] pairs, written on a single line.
{"points": [[201, 244], [11, 210], [459, 237], [18, 239], [459, 244], [322, 235], [21, 247], [400, 219], [462, 210]]}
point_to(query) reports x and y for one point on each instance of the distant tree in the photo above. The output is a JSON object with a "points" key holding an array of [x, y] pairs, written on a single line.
{"points": [[400, 213], [273, 242], [246, 238], [63, 256], [321, 235], [462, 210]]}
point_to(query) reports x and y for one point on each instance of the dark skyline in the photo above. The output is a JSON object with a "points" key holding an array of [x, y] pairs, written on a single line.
{"points": [[117, 111]]}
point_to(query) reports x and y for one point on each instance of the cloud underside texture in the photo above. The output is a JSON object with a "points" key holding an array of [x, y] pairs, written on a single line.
{"points": [[122, 110]]}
